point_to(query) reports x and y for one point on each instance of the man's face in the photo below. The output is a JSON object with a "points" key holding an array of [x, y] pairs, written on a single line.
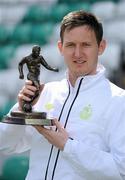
{"points": [[80, 51]]}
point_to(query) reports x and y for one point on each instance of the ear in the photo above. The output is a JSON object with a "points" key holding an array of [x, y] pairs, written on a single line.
{"points": [[60, 46], [102, 47]]}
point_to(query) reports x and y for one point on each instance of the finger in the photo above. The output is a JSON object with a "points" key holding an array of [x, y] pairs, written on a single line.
{"points": [[25, 94], [30, 87], [42, 128], [23, 97], [28, 82], [44, 131], [39, 128], [58, 125]]}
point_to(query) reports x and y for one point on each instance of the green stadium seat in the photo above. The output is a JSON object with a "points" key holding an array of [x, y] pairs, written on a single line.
{"points": [[21, 33], [80, 6], [41, 33], [1, 114], [70, 1], [58, 11], [15, 168], [94, 1], [6, 53], [4, 34], [6, 108], [36, 14]]}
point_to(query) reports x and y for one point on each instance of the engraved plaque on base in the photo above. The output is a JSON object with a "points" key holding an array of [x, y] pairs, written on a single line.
{"points": [[22, 118]]}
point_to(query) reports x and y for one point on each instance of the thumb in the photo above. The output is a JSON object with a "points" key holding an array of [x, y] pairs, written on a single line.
{"points": [[58, 125], [41, 87]]}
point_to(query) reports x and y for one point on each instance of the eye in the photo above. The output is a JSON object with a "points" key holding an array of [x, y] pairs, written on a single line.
{"points": [[86, 44], [69, 45]]}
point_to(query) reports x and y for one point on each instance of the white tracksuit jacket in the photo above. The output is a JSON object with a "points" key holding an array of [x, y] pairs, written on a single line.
{"points": [[93, 113]]}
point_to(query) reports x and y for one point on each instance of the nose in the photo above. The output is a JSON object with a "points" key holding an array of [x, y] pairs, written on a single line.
{"points": [[77, 52]]}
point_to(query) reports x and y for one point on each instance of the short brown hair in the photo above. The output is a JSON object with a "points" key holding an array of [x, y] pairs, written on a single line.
{"points": [[80, 18]]}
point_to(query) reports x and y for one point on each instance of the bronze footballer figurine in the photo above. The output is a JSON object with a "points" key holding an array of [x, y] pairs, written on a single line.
{"points": [[33, 62], [27, 116]]}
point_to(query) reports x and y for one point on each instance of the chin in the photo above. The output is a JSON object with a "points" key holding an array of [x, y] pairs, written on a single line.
{"points": [[80, 74]]}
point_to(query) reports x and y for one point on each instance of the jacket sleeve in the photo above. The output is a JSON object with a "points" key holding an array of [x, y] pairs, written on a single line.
{"points": [[91, 163], [14, 138], [95, 163]]}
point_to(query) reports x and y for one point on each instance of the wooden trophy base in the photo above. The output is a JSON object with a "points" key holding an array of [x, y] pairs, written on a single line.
{"points": [[23, 118]]}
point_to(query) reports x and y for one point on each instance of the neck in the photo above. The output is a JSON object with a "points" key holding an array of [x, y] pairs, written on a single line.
{"points": [[72, 79]]}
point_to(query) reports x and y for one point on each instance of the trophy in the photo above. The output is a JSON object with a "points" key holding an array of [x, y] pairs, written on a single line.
{"points": [[27, 116]]}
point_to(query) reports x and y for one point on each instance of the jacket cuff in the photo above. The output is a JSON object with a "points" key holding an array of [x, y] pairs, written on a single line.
{"points": [[69, 146]]}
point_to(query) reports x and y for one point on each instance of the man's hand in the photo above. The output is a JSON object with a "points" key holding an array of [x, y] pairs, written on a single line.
{"points": [[57, 138], [27, 92]]}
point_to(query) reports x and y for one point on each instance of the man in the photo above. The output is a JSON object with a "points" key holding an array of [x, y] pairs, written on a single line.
{"points": [[87, 141]]}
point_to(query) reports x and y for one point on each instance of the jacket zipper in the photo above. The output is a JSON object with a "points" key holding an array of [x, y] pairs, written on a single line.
{"points": [[47, 168], [55, 165]]}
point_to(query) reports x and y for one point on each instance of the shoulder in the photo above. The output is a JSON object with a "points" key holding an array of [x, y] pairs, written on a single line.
{"points": [[116, 91], [26, 58], [117, 98]]}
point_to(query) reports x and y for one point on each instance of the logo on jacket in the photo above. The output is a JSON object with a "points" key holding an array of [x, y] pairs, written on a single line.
{"points": [[86, 112], [49, 106]]}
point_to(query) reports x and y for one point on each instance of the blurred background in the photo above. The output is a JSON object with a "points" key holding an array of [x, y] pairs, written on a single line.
{"points": [[24, 23]]}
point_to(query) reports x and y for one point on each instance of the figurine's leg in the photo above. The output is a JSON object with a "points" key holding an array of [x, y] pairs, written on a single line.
{"points": [[36, 83], [34, 79]]}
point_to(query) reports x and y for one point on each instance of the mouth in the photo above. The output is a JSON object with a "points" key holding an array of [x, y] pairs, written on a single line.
{"points": [[79, 62]]}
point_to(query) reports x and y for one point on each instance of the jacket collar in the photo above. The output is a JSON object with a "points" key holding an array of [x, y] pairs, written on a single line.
{"points": [[88, 81]]}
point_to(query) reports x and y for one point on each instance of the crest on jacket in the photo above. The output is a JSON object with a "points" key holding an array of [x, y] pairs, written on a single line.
{"points": [[86, 112]]}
